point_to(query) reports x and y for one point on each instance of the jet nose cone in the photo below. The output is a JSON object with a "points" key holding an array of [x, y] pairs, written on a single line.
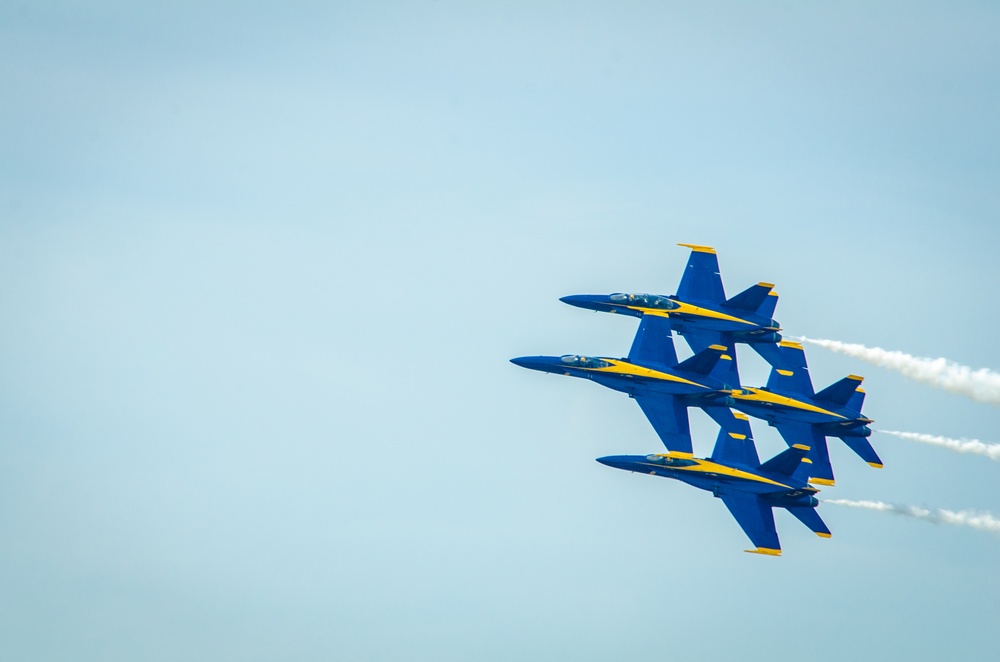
{"points": [[588, 301], [616, 461], [523, 361], [543, 363]]}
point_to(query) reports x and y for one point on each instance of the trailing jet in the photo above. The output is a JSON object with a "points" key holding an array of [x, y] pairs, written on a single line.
{"points": [[749, 489], [804, 417], [700, 310], [651, 374]]}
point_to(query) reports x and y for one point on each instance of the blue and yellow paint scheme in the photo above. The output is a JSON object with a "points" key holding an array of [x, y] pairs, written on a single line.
{"points": [[700, 311], [663, 387], [749, 489], [805, 417]]}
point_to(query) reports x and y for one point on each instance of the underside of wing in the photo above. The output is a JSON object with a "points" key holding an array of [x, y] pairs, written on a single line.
{"points": [[757, 521], [669, 418], [701, 280]]}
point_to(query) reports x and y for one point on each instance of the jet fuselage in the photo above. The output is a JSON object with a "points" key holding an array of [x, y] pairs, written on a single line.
{"points": [[719, 479], [632, 378], [685, 316], [775, 407]]}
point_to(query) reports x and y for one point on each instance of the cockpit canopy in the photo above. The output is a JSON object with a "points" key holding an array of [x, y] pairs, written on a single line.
{"points": [[583, 361], [644, 301], [670, 461]]}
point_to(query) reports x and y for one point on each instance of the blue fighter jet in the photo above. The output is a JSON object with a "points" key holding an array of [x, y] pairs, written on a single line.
{"points": [[804, 417], [700, 310], [662, 387], [749, 489]]}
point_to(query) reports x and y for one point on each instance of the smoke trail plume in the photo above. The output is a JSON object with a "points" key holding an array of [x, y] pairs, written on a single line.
{"points": [[983, 521], [973, 446], [982, 385]]}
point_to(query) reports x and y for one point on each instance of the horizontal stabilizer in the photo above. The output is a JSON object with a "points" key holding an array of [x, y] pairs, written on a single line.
{"points": [[653, 342], [701, 280], [786, 462], [734, 445], [864, 449], [840, 393], [704, 361], [769, 351], [791, 373], [811, 519], [751, 298]]}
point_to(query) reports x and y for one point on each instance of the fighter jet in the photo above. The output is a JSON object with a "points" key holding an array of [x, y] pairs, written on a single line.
{"points": [[700, 310], [749, 489], [652, 375], [804, 417]]}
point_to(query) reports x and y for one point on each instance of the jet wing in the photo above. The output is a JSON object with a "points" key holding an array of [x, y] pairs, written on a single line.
{"points": [[653, 342], [818, 468], [701, 280], [669, 418], [757, 521]]}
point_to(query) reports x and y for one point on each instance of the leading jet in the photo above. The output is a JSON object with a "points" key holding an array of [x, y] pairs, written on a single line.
{"points": [[651, 374], [700, 310], [749, 489], [804, 417]]}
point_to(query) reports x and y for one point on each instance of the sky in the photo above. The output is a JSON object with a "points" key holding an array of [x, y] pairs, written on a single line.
{"points": [[262, 267]]}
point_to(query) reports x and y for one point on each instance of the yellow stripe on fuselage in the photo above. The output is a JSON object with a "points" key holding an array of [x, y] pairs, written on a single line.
{"points": [[625, 368], [709, 467], [689, 309], [757, 395]]}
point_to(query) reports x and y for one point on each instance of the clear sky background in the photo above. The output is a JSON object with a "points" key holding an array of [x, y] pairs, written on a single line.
{"points": [[262, 267]]}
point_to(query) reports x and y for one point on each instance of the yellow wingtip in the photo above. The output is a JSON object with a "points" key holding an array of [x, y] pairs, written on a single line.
{"points": [[720, 348], [699, 249], [741, 416], [856, 378], [763, 284], [875, 464], [764, 550], [790, 343], [801, 447], [785, 373], [822, 481], [823, 535]]}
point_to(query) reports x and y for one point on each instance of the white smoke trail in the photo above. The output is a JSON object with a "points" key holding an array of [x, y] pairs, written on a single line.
{"points": [[973, 446], [983, 521], [982, 385]]}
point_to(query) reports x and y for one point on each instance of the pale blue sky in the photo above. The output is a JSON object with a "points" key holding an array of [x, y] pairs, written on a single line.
{"points": [[262, 267]]}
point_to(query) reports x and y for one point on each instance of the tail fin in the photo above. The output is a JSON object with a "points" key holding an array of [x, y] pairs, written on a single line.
{"points": [[841, 392], [705, 361], [787, 462], [857, 400], [770, 303], [752, 298], [816, 468], [864, 449], [701, 279], [653, 342], [791, 375], [811, 519], [734, 445]]}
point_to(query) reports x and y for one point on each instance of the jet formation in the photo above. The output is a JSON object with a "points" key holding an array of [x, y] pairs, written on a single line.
{"points": [[664, 388]]}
